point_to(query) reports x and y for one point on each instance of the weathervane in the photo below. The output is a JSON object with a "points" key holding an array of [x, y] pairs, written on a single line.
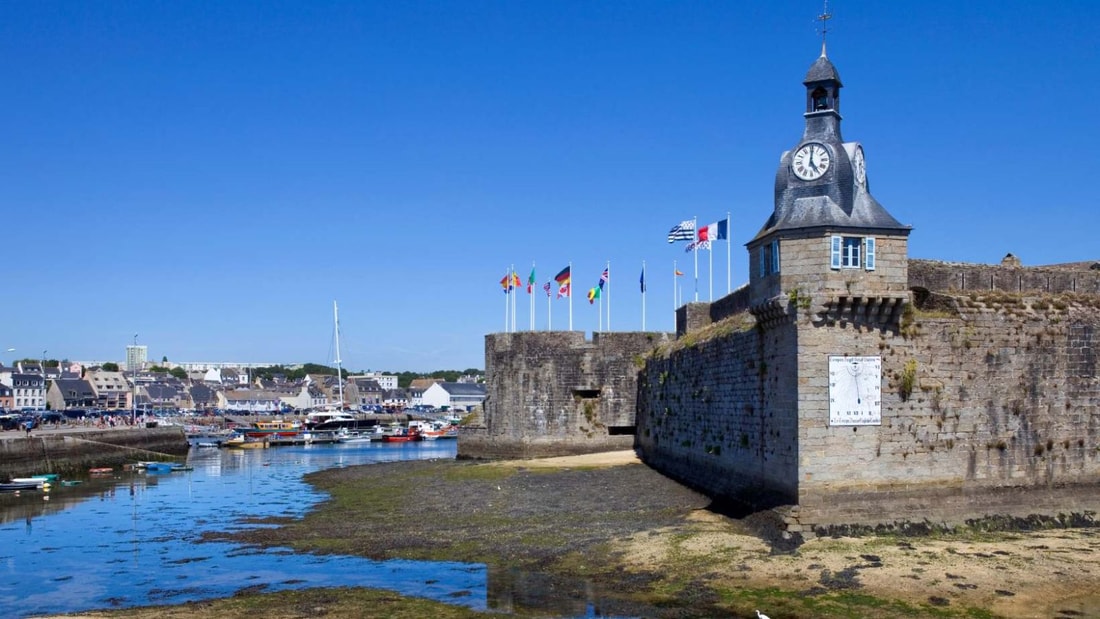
{"points": [[824, 19]]}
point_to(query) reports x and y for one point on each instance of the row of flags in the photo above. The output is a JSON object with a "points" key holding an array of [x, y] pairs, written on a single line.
{"points": [[564, 281], [698, 237]]}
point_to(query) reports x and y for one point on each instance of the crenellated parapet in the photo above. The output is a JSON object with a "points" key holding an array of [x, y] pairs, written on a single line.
{"points": [[1009, 276]]}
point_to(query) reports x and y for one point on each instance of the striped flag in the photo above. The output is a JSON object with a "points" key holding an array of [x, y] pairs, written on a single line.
{"points": [[684, 231], [547, 288], [718, 231], [603, 279], [531, 281]]}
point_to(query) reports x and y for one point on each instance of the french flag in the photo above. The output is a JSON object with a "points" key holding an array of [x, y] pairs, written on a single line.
{"points": [[718, 231]]}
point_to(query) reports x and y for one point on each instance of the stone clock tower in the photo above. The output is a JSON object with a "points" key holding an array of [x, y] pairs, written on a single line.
{"points": [[829, 246]]}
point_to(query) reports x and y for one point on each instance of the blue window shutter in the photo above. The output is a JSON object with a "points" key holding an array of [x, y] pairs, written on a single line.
{"points": [[775, 256], [763, 262], [869, 252], [836, 244]]}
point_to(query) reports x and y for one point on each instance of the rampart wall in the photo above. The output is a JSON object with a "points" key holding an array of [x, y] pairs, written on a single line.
{"points": [[716, 411], [989, 406], [943, 276], [551, 393]]}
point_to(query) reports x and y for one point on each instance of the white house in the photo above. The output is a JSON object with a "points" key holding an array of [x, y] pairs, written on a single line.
{"points": [[453, 396]]}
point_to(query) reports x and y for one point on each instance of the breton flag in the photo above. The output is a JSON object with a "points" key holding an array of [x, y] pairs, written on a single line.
{"points": [[717, 231], [684, 231]]}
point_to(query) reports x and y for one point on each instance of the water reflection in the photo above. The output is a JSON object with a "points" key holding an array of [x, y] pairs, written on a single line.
{"points": [[132, 538]]}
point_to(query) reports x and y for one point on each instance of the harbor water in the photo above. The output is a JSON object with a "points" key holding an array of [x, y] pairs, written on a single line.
{"points": [[134, 538]]}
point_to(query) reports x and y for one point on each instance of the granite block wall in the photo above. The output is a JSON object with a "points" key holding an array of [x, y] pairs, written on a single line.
{"points": [[717, 410], [978, 406], [936, 275], [555, 393]]}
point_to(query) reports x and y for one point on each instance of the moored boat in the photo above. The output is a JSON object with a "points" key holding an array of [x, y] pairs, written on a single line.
{"points": [[273, 429], [103, 470], [241, 441], [16, 486]]}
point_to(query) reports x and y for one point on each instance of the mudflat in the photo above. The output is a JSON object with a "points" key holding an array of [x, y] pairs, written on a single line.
{"points": [[646, 546]]}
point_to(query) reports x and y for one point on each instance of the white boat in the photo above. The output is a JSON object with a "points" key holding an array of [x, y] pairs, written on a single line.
{"points": [[345, 436]]}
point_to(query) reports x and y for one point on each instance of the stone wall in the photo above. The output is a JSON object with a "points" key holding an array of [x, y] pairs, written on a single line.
{"points": [[988, 409], [717, 411], [552, 393], [70, 453], [943, 276]]}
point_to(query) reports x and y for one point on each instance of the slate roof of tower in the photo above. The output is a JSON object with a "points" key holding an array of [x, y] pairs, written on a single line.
{"points": [[821, 71]]}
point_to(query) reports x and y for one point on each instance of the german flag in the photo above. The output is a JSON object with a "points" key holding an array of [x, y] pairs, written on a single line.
{"points": [[563, 277]]}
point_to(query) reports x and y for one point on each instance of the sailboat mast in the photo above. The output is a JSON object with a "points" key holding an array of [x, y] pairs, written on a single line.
{"points": [[339, 373]]}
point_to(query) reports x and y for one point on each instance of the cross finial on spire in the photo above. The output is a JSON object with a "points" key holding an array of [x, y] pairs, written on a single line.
{"points": [[824, 19]]}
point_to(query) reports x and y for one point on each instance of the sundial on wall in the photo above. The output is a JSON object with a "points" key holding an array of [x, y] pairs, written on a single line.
{"points": [[855, 391]]}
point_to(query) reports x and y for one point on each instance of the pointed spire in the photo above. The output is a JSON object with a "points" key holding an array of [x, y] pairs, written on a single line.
{"points": [[824, 19]]}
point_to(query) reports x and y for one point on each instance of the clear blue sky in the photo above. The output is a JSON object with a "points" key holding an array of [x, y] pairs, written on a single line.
{"points": [[211, 176]]}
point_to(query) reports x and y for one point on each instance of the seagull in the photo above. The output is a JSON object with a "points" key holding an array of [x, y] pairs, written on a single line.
{"points": [[760, 615]]}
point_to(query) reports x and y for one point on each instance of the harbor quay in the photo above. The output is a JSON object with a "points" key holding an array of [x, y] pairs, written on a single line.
{"points": [[73, 450]]}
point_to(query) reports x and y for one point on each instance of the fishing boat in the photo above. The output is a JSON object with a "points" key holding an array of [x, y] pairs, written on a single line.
{"points": [[401, 435], [273, 429]]}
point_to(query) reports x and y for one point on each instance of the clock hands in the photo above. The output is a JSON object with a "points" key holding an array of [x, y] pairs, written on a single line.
{"points": [[811, 158]]}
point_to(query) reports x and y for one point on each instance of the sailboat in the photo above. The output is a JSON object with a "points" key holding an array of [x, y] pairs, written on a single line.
{"points": [[334, 417]]}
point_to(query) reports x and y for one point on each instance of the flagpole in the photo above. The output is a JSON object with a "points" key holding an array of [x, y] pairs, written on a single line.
{"points": [[695, 254], [512, 291], [710, 268], [570, 295], [531, 294], [675, 283], [643, 295], [549, 309], [506, 276], [608, 295], [729, 234]]}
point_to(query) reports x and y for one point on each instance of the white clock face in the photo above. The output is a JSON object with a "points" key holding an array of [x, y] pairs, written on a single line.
{"points": [[859, 166], [811, 161], [855, 391]]}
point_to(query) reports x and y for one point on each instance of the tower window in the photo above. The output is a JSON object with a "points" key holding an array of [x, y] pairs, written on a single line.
{"points": [[820, 99], [852, 252], [769, 258]]}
